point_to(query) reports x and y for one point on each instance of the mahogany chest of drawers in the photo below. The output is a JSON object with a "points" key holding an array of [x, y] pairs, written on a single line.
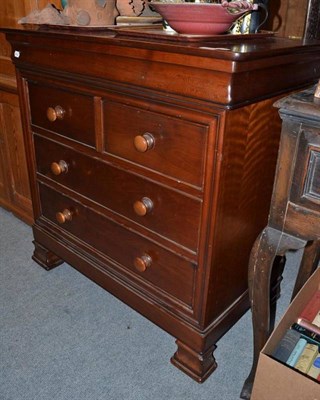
{"points": [[152, 167]]}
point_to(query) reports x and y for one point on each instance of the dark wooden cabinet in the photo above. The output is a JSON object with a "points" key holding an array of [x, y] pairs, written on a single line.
{"points": [[152, 167]]}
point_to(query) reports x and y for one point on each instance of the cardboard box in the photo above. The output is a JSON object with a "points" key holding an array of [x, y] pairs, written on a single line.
{"points": [[275, 381]]}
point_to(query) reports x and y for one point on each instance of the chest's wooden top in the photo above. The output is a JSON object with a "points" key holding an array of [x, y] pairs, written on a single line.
{"points": [[230, 72], [303, 104]]}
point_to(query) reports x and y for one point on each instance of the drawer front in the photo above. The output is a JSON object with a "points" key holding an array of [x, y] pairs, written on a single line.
{"points": [[163, 269], [61, 111], [169, 145], [162, 210]]}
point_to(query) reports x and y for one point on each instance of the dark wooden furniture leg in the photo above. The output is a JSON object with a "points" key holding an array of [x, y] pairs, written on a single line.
{"points": [[309, 263], [269, 244], [45, 258], [198, 365], [275, 289]]}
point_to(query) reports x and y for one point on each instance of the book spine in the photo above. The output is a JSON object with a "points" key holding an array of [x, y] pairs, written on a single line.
{"points": [[307, 358], [312, 307], [314, 370], [296, 352], [307, 334], [308, 325], [286, 345], [316, 320]]}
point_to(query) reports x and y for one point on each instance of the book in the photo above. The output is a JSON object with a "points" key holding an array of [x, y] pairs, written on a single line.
{"points": [[312, 307], [314, 370], [307, 358], [316, 320], [286, 345], [296, 352], [309, 325], [307, 334]]}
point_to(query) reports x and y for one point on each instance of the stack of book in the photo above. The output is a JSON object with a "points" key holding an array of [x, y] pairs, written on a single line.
{"points": [[300, 346]]}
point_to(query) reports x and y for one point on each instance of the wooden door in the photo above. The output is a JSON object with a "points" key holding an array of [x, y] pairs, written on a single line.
{"points": [[14, 182]]}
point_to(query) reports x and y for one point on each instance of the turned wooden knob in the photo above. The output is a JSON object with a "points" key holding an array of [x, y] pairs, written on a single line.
{"points": [[144, 142], [142, 263], [143, 206], [54, 113], [64, 216], [58, 168]]}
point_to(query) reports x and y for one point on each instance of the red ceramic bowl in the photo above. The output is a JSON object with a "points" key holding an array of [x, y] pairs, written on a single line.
{"points": [[199, 18]]}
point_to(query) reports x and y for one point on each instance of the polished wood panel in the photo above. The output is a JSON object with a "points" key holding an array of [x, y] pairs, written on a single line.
{"points": [[7, 73], [15, 192], [250, 149]]}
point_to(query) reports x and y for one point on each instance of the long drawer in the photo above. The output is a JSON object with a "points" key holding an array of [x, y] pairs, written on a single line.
{"points": [[150, 263], [171, 214]]}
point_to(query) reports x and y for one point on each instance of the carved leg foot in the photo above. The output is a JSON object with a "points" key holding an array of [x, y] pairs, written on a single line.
{"points": [[45, 258], [198, 366], [247, 386]]}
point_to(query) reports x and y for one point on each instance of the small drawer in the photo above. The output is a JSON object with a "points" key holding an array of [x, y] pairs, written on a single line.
{"points": [[145, 260], [160, 209], [64, 112], [170, 145]]}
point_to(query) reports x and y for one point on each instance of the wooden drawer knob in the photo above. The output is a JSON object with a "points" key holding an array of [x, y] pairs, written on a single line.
{"points": [[64, 216], [143, 207], [58, 168], [142, 263], [54, 113], [144, 142]]}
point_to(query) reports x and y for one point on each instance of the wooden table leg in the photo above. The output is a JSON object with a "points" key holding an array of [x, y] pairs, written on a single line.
{"points": [[309, 263], [275, 288], [268, 245]]}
